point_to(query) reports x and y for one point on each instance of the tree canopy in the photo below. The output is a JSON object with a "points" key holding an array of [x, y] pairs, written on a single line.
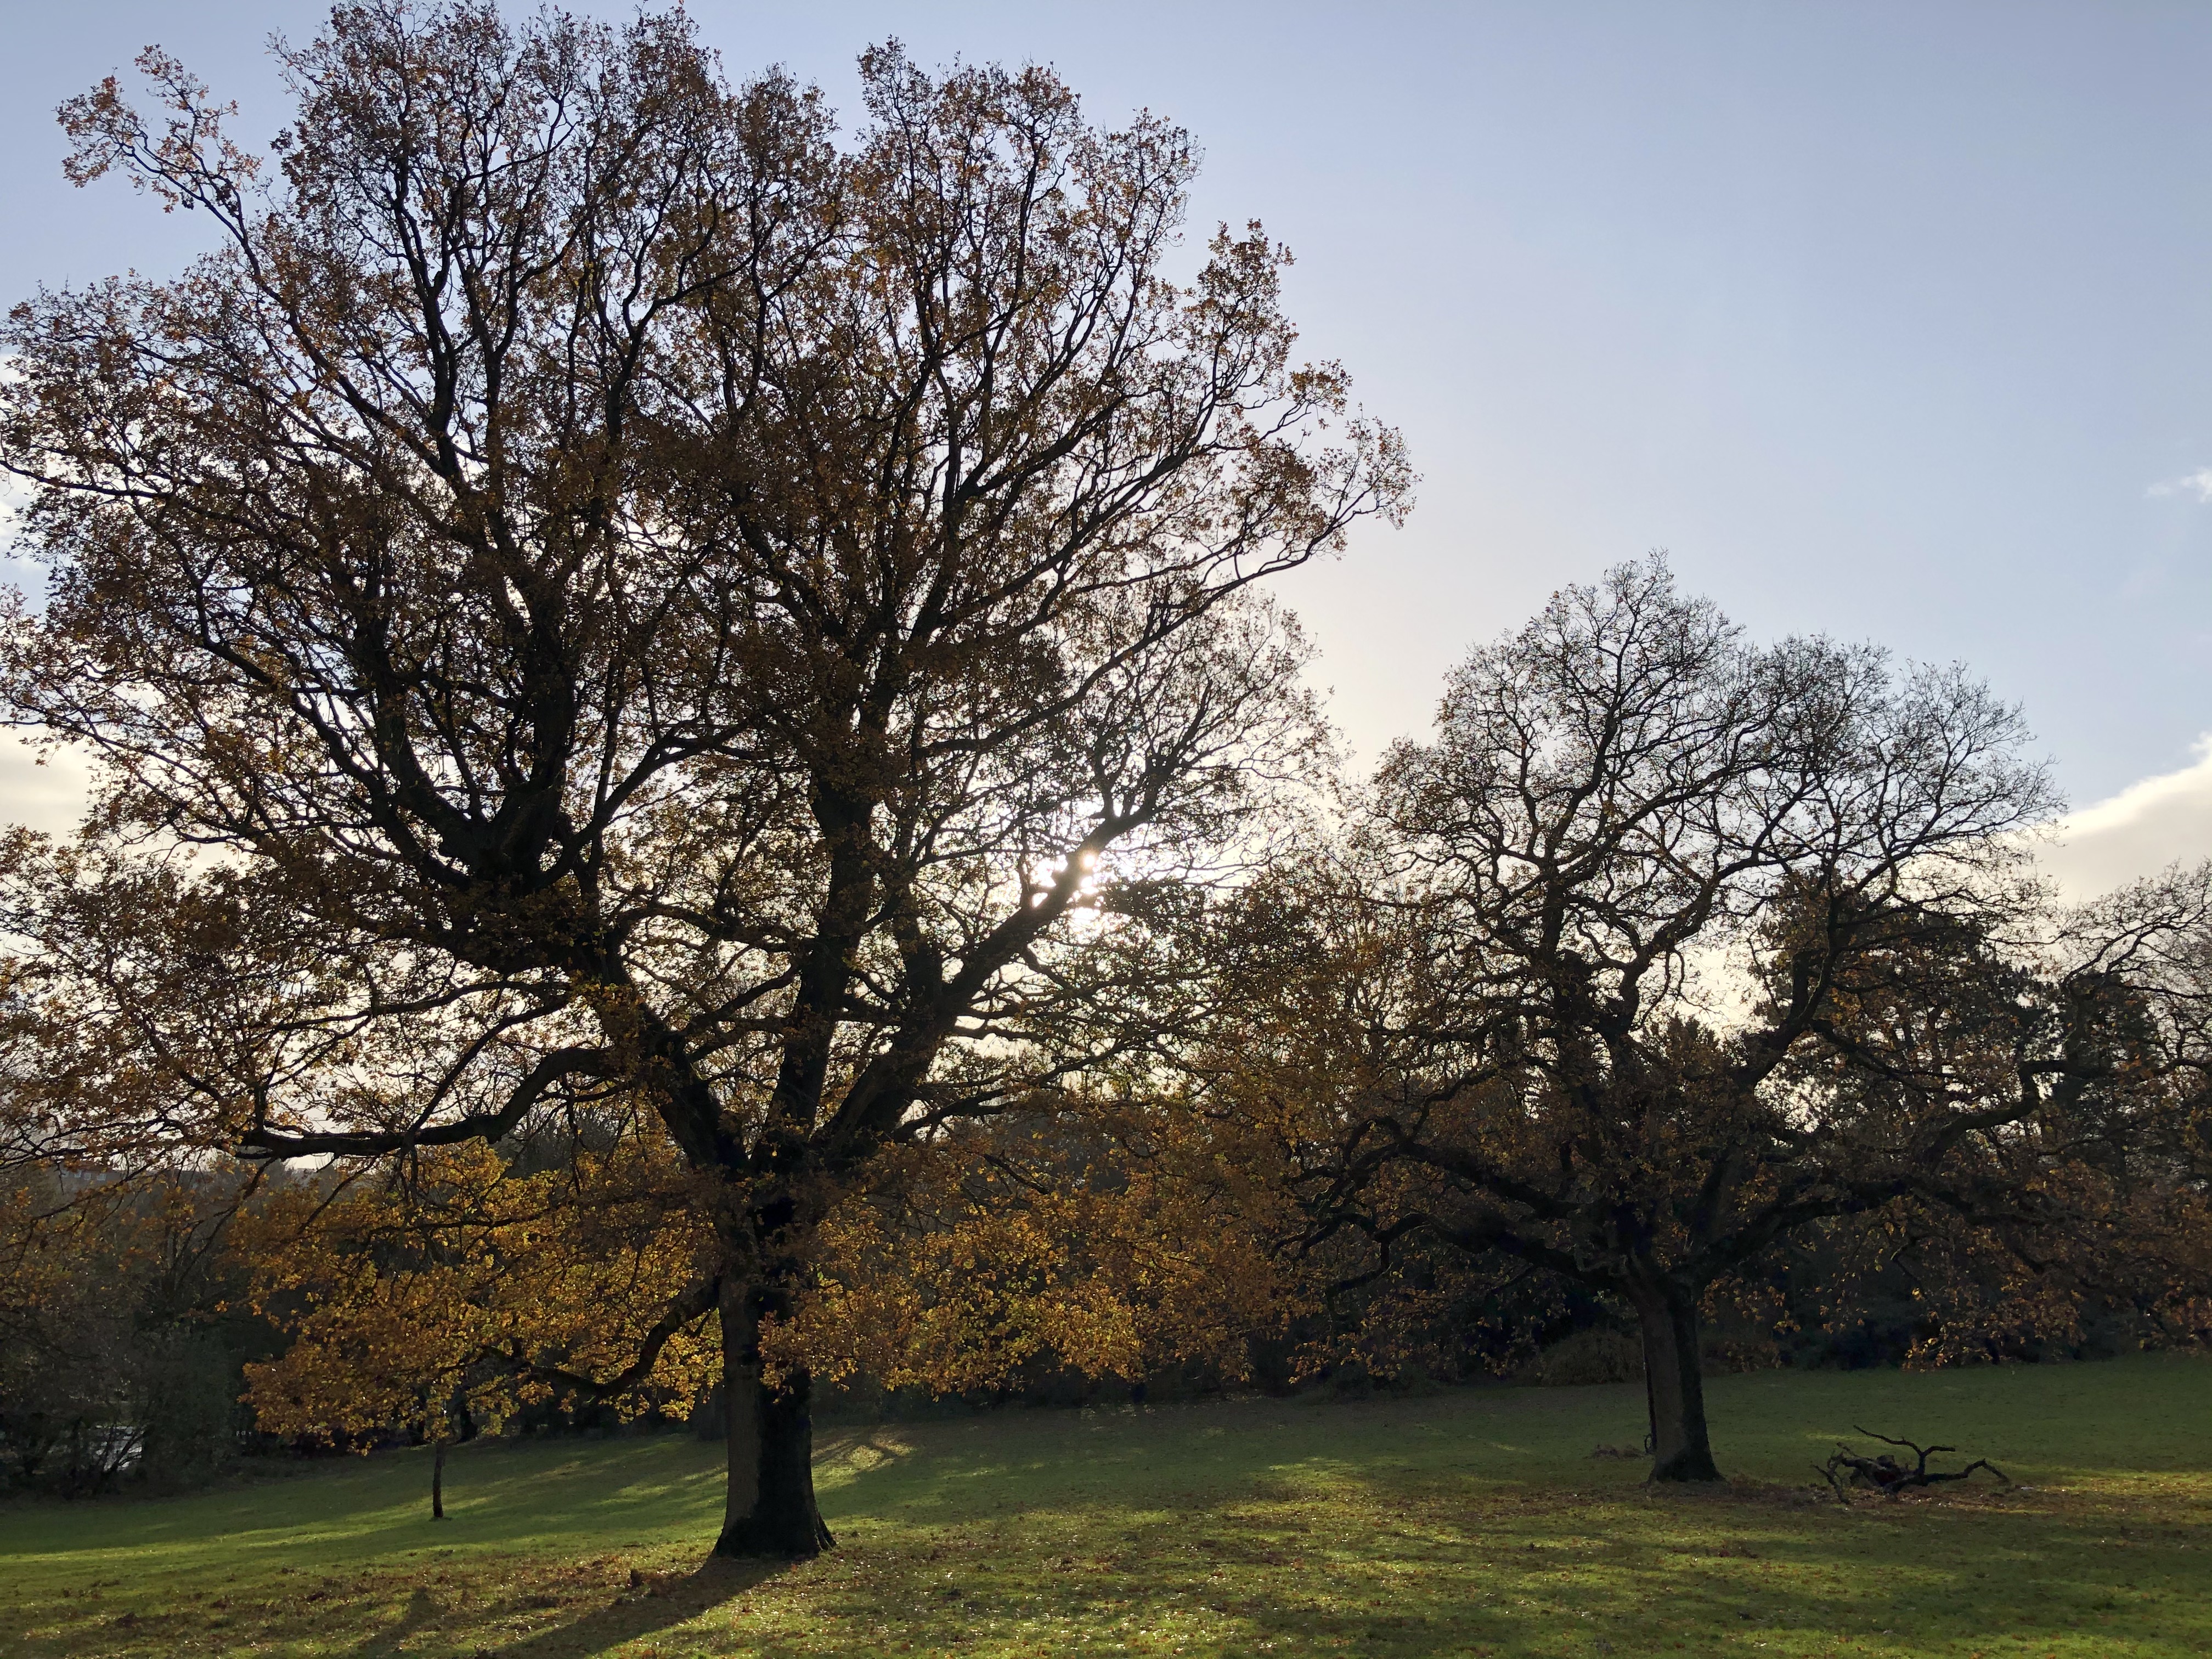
{"points": [[1668, 947], [640, 604]]}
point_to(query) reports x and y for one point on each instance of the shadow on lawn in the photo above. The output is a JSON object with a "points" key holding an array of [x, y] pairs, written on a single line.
{"points": [[639, 1613], [420, 1611], [859, 1449]]}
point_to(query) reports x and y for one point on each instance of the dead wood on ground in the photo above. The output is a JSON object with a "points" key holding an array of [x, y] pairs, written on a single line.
{"points": [[1888, 1476]]}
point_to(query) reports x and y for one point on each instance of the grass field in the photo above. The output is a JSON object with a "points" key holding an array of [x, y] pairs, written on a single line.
{"points": [[1470, 1522]]}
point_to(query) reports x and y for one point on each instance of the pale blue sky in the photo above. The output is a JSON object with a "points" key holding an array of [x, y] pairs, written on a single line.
{"points": [[1887, 320]]}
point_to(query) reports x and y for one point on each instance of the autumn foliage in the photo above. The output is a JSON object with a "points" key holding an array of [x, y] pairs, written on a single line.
{"points": [[699, 792], [461, 1291]]}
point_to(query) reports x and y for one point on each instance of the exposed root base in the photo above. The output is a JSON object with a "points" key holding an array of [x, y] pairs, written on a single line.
{"points": [[1685, 1468], [750, 1540]]}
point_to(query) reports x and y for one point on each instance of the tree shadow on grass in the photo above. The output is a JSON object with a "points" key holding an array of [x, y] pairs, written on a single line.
{"points": [[420, 1612], [652, 1606], [860, 1449]]}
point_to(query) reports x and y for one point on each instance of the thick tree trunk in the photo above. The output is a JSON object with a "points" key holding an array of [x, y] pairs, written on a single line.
{"points": [[1673, 1375], [770, 1508], [438, 1481]]}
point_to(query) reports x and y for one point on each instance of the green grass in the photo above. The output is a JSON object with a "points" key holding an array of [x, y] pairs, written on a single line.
{"points": [[1470, 1522]]}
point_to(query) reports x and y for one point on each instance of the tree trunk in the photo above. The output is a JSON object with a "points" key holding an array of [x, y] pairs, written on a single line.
{"points": [[438, 1481], [770, 1508], [1673, 1377]]}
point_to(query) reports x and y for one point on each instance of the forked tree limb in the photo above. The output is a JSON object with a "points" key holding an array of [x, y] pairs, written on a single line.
{"points": [[1888, 1476], [695, 1303], [262, 1141]]}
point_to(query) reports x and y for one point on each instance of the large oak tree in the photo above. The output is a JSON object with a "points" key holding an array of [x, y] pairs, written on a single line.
{"points": [[599, 590], [1668, 947]]}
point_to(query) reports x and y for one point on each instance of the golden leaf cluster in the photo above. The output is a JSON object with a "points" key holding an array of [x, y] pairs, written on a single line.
{"points": [[466, 1284]]}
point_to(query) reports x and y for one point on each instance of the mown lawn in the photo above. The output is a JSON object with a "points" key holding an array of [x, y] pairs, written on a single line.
{"points": [[1472, 1522]]}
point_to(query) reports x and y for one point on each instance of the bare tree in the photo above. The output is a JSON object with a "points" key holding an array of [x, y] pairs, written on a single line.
{"points": [[644, 602], [1673, 945]]}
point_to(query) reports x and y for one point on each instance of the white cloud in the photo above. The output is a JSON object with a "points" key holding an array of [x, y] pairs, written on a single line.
{"points": [[2197, 484], [2138, 832]]}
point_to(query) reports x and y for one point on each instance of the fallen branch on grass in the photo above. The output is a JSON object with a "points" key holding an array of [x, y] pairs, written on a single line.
{"points": [[1888, 1476]]}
